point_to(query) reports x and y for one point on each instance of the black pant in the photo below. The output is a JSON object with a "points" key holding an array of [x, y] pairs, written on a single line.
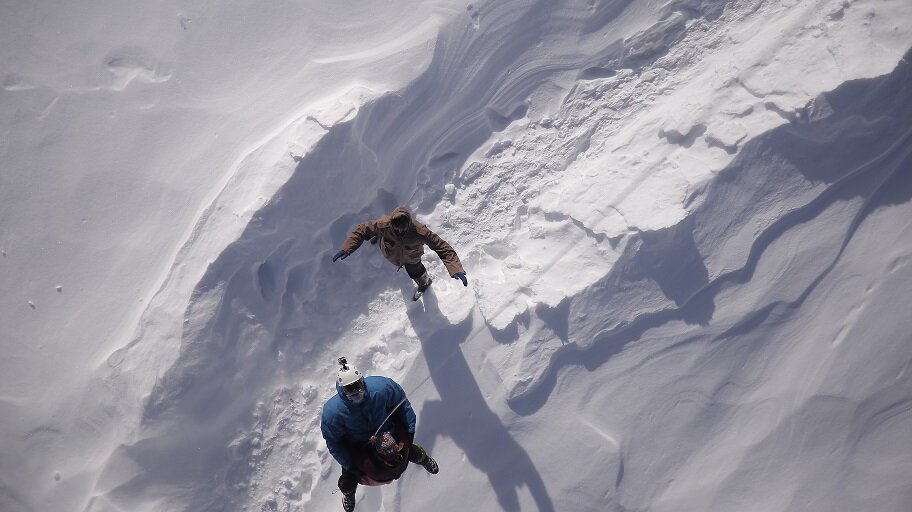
{"points": [[415, 270], [348, 481]]}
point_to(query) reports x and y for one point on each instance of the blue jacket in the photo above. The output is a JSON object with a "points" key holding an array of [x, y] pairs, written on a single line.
{"points": [[347, 426]]}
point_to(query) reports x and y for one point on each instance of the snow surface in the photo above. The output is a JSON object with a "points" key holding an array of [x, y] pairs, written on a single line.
{"points": [[687, 228]]}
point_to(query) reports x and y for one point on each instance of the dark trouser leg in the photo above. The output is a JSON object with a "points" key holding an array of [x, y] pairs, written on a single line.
{"points": [[348, 482], [419, 456], [415, 270]]}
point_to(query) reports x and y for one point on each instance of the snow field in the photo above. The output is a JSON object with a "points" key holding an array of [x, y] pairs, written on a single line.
{"points": [[686, 264]]}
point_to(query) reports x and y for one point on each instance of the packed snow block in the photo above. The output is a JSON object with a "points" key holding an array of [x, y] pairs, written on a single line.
{"points": [[670, 257], [726, 136], [685, 140]]}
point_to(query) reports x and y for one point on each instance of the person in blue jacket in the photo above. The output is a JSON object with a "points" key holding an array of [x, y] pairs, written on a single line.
{"points": [[363, 411]]}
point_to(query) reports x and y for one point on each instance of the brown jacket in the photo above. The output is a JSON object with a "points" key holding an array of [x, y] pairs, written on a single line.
{"points": [[408, 248]]}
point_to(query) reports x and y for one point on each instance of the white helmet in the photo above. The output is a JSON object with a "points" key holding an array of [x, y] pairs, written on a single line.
{"points": [[351, 381]]}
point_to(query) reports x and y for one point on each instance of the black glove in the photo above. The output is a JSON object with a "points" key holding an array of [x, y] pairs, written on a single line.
{"points": [[462, 277], [340, 254]]}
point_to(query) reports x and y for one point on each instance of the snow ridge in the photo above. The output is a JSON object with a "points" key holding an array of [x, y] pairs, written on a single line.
{"points": [[738, 199], [600, 232]]}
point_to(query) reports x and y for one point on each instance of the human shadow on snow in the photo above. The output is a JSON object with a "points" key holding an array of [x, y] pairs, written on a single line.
{"points": [[462, 413]]}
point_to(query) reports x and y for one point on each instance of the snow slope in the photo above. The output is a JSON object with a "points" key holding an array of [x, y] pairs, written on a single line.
{"points": [[686, 229]]}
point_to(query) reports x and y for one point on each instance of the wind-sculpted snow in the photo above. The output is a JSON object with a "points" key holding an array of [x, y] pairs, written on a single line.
{"points": [[822, 176], [830, 170], [613, 180], [280, 305]]}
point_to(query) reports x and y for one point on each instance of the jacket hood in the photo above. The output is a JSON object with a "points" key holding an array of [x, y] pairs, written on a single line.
{"points": [[400, 210]]}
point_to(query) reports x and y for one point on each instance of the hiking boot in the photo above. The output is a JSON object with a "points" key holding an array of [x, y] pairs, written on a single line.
{"points": [[430, 465], [348, 502], [423, 281]]}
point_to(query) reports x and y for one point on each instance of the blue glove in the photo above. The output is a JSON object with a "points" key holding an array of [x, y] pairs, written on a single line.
{"points": [[461, 276], [340, 254]]}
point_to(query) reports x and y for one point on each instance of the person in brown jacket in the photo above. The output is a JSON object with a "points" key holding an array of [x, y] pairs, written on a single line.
{"points": [[402, 240]]}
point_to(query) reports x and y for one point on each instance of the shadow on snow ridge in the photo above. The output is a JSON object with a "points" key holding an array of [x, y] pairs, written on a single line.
{"points": [[857, 142], [463, 414]]}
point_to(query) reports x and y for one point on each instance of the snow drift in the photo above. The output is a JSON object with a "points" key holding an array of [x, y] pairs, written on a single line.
{"points": [[686, 230]]}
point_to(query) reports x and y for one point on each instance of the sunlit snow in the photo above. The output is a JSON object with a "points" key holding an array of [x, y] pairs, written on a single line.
{"points": [[687, 229]]}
